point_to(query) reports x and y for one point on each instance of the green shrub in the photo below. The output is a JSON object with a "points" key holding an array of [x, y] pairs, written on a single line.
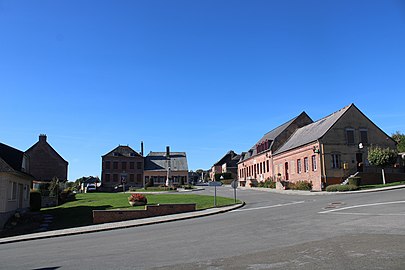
{"points": [[300, 185], [333, 188], [35, 201], [267, 184], [355, 181]]}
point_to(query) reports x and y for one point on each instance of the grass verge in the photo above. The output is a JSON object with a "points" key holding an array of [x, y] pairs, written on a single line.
{"points": [[382, 185], [80, 211]]}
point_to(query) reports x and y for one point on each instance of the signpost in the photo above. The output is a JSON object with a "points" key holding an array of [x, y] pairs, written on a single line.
{"points": [[215, 184], [234, 185]]}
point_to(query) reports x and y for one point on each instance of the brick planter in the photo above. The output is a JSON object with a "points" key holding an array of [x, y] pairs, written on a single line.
{"points": [[103, 216]]}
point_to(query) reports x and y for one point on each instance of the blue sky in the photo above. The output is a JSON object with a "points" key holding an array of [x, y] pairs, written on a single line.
{"points": [[204, 77]]}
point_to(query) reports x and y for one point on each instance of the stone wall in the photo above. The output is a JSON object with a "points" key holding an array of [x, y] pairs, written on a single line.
{"points": [[103, 216]]}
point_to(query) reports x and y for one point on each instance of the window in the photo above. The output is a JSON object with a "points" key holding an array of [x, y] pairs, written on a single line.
{"points": [[13, 191], [115, 177], [132, 165], [350, 136], [363, 136], [124, 165], [115, 165], [261, 168], [264, 167], [314, 165], [26, 192], [107, 165], [299, 170], [306, 165], [139, 177], [107, 177], [335, 161], [268, 167], [139, 165], [131, 177]]}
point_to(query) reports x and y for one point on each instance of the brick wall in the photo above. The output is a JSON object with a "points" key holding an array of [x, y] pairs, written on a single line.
{"points": [[103, 216]]}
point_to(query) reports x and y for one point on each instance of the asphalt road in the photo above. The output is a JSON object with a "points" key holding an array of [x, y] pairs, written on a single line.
{"points": [[273, 231]]}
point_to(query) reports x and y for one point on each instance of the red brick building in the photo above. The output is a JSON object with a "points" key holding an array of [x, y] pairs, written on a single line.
{"points": [[45, 162], [122, 164], [323, 152], [257, 163]]}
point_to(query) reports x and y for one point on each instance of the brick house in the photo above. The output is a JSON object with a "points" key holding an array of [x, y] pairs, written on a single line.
{"points": [[15, 182], [45, 162], [161, 166], [329, 150], [227, 164], [122, 164], [257, 163]]}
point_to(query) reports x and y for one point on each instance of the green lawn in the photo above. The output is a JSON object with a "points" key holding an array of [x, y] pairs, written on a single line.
{"points": [[79, 212], [382, 185]]}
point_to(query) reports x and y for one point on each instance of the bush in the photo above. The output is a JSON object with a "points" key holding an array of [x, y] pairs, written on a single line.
{"points": [[300, 185], [355, 181], [267, 184], [35, 201], [334, 188], [66, 195]]}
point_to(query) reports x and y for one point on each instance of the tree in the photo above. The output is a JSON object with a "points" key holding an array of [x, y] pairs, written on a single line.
{"points": [[400, 139], [382, 157]]}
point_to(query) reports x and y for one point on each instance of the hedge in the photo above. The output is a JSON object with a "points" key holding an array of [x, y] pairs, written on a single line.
{"points": [[334, 188]]}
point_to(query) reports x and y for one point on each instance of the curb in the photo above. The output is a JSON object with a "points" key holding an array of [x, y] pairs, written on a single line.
{"points": [[313, 193], [119, 225]]}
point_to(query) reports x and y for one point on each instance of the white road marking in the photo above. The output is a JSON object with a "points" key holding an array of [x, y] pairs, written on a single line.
{"points": [[270, 206], [367, 214], [358, 206]]}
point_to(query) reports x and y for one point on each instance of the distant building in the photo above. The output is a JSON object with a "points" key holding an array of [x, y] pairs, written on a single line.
{"points": [[227, 164], [161, 166], [45, 162], [123, 164], [15, 182]]}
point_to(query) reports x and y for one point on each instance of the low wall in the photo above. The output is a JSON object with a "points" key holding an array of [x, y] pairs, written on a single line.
{"points": [[376, 178], [103, 216]]}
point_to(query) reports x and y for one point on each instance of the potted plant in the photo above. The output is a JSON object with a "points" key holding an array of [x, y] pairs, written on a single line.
{"points": [[137, 199]]}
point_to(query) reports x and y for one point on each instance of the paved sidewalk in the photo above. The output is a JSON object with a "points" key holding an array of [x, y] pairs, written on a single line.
{"points": [[311, 193], [118, 225]]}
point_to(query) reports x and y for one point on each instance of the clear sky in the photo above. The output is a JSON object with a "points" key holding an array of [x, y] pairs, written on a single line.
{"points": [[203, 77]]}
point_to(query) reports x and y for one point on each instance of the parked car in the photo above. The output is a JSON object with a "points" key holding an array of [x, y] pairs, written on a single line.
{"points": [[90, 188]]}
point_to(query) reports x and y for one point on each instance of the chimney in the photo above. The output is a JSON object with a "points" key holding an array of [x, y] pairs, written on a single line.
{"points": [[141, 148], [42, 138], [168, 151]]}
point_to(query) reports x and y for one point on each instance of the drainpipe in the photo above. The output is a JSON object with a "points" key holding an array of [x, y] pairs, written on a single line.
{"points": [[323, 168]]}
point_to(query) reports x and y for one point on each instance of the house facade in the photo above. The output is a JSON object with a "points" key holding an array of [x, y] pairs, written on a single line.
{"points": [[166, 168], [329, 150], [257, 163], [15, 182], [123, 164], [227, 164], [45, 162], [324, 152]]}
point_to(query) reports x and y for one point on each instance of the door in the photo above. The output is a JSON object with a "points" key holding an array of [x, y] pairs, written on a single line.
{"points": [[286, 170], [359, 160]]}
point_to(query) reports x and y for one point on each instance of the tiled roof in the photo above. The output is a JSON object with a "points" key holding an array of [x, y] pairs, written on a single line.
{"points": [[123, 150], [157, 161], [269, 136], [312, 132], [11, 158], [230, 153]]}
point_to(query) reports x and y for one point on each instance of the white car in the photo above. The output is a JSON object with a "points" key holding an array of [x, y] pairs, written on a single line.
{"points": [[90, 188]]}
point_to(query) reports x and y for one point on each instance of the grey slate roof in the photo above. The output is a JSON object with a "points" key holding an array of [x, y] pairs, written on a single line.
{"points": [[312, 132], [123, 150], [10, 158], [230, 153], [157, 161], [270, 136]]}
